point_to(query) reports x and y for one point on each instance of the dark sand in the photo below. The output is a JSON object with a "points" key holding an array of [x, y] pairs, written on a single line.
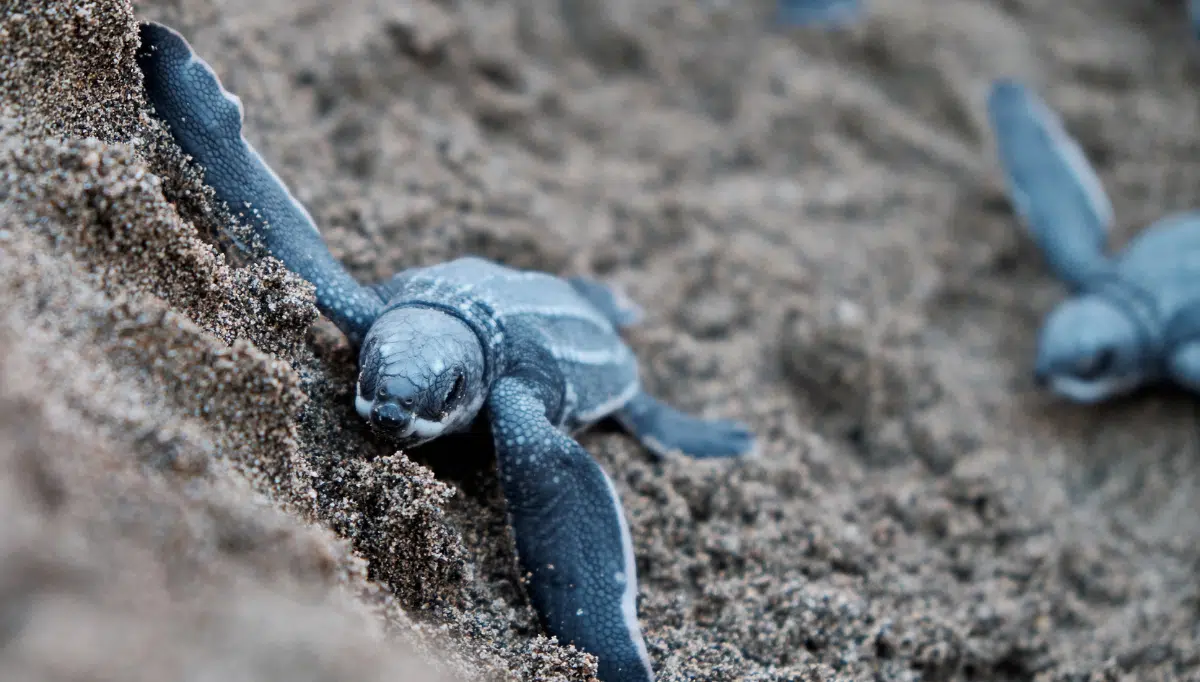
{"points": [[814, 225]]}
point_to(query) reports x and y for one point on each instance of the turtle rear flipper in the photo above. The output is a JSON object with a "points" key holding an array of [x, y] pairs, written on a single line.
{"points": [[818, 13], [206, 122], [1054, 189], [621, 310], [663, 429]]}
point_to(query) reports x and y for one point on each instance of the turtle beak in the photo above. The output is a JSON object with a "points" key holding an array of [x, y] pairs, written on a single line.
{"points": [[391, 417]]}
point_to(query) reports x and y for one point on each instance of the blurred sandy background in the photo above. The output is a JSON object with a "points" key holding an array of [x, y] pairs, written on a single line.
{"points": [[814, 224]]}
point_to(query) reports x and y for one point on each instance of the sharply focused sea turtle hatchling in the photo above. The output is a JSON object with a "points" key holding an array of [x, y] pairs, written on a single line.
{"points": [[439, 344], [1134, 318]]}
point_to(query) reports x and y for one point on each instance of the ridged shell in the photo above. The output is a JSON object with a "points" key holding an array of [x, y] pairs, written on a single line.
{"points": [[600, 370]]}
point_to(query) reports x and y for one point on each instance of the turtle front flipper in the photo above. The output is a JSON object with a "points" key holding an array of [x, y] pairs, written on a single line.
{"points": [[1054, 189], [572, 539], [662, 429], [206, 122]]}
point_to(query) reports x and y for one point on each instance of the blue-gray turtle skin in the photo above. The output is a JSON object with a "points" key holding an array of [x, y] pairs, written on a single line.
{"points": [[1194, 15], [538, 356], [1133, 318], [519, 318], [249, 187], [818, 13]]}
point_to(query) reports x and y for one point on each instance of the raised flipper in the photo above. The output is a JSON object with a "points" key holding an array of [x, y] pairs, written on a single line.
{"points": [[206, 122], [663, 429], [819, 13], [1053, 188], [571, 535], [621, 310]]}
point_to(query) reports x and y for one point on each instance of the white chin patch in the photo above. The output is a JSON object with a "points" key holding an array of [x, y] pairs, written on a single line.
{"points": [[1093, 391], [363, 406], [425, 430], [422, 430]]}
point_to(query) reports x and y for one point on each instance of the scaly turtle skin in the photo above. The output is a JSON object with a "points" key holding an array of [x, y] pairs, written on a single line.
{"points": [[540, 357], [1133, 319]]}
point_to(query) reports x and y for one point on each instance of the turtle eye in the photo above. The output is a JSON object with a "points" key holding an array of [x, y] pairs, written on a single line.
{"points": [[455, 391], [1097, 365]]}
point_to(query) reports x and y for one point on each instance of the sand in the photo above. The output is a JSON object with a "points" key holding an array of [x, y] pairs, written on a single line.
{"points": [[815, 226]]}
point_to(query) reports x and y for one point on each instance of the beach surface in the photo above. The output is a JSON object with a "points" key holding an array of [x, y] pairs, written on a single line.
{"points": [[815, 225]]}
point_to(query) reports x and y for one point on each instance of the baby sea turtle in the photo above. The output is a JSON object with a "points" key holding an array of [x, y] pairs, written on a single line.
{"points": [[818, 13], [1134, 318], [538, 356]]}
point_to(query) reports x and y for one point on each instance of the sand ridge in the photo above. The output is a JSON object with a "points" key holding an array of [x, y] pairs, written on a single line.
{"points": [[814, 224]]}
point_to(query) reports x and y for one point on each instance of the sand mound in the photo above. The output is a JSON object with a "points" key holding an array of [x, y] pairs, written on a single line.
{"points": [[814, 226]]}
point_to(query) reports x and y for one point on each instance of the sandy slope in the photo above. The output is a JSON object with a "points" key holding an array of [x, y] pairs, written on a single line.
{"points": [[814, 225]]}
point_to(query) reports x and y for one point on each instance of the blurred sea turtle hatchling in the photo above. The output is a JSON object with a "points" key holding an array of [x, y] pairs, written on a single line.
{"points": [[1133, 318], [818, 13], [439, 347]]}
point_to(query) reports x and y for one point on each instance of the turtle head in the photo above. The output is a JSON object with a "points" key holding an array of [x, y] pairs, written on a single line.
{"points": [[421, 374], [1090, 350]]}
